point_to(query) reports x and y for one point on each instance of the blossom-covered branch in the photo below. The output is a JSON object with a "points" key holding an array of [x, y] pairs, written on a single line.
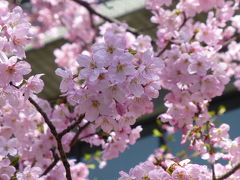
{"points": [[72, 126], [109, 79], [229, 173], [58, 138], [108, 19]]}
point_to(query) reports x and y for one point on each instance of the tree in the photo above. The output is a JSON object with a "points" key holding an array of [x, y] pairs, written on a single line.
{"points": [[110, 74]]}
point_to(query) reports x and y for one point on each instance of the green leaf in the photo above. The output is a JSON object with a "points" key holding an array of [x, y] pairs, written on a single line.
{"points": [[207, 145], [157, 133], [87, 157], [221, 110], [14, 160], [195, 154], [131, 51], [91, 166], [40, 127], [177, 12], [159, 122], [164, 147], [98, 153], [212, 113], [181, 153], [171, 138], [14, 178]]}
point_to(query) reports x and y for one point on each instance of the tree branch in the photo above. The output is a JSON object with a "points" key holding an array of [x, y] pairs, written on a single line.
{"points": [[72, 126], [170, 41], [211, 149], [89, 135], [213, 172], [111, 20], [45, 117], [53, 130], [52, 165], [68, 129], [229, 173], [164, 49], [74, 139], [235, 37]]}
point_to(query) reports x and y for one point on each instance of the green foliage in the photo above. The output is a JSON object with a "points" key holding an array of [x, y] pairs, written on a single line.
{"points": [[212, 113], [221, 110], [157, 133], [91, 166], [87, 157], [164, 147], [14, 160], [171, 138], [182, 154], [131, 51], [159, 122], [40, 127]]}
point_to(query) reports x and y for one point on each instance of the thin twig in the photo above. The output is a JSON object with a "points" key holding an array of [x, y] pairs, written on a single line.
{"points": [[72, 126], [57, 136], [235, 37], [211, 149], [229, 173], [53, 130], [89, 135], [213, 172], [111, 20], [167, 46], [52, 165], [75, 138], [45, 117], [68, 129]]}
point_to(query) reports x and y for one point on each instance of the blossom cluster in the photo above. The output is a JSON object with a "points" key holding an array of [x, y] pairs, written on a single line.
{"points": [[214, 144], [48, 16], [162, 165], [105, 88], [174, 171], [14, 34], [116, 87], [200, 57], [25, 139], [165, 166], [193, 71]]}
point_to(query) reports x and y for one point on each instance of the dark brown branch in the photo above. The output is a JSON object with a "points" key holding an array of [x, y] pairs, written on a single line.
{"points": [[184, 21], [74, 139], [213, 172], [53, 130], [52, 165], [72, 126], [64, 158], [45, 117], [229, 173], [211, 148], [167, 46], [164, 49], [89, 135], [111, 20], [235, 37], [68, 129]]}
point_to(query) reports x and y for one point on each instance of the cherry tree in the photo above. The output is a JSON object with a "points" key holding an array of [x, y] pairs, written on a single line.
{"points": [[110, 75]]}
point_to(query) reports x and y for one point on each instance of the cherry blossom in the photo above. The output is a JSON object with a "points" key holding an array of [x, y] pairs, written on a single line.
{"points": [[110, 76]]}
